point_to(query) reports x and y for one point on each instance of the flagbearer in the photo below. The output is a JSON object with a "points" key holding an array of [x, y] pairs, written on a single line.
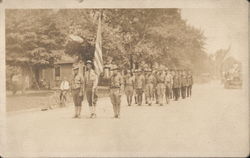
{"points": [[91, 81], [115, 91], [77, 90]]}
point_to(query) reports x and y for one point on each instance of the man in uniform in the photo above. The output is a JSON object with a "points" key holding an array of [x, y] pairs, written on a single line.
{"points": [[91, 81], [115, 91], [190, 84], [183, 84], [149, 89], [176, 83], [168, 83], [161, 86], [139, 86], [77, 90], [129, 84], [155, 73]]}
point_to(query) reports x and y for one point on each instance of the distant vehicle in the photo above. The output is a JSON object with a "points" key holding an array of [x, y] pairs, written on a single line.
{"points": [[233, 79]]}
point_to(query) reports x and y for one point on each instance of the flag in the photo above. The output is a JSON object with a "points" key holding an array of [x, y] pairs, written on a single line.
{"points": [[98, 62]]}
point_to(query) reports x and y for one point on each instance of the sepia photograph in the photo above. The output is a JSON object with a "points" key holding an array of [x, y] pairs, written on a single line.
{"points": [[151, 78]]}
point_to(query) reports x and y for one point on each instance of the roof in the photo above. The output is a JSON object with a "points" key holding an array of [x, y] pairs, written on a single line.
{"points": [[64, 62]]}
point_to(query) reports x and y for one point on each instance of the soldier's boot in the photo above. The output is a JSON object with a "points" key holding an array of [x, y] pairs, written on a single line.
{"points": [[94, 111]]}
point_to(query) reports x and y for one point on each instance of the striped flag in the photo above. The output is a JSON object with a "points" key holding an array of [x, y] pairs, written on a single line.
{"points": [[98, 62]]}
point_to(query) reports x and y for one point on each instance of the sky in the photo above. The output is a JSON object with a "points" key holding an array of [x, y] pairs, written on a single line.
{"points": [[222, 27]]}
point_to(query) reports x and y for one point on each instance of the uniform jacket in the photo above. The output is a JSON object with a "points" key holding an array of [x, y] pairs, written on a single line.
{"points": [[184, 81], [150, 79], [77, 81], [176, 81], [140, 82], [129, 80], [91, 79], [116, 81], [169, 80]]}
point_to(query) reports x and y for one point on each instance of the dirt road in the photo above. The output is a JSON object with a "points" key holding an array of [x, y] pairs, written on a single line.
{"points": [[214, 122]]}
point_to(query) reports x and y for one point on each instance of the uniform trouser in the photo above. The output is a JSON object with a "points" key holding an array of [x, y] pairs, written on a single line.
{"points": [[139, 93], [179, 92], [76, 98], [129, 90], [176, 93], [115, 97], [160, 92], [189, 90], [168, 93], [156, 95], [183, 92], [91, 96], [149, 92]]}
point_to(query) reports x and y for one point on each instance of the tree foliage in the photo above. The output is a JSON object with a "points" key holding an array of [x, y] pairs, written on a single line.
{"points": [[39, 37]]}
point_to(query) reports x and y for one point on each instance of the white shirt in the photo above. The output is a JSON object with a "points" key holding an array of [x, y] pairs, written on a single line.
{"points": [[64, 85]]}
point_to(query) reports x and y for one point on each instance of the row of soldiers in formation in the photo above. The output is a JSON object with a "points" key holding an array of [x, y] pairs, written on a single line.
{"points": [[157, 85], [153, 84]]}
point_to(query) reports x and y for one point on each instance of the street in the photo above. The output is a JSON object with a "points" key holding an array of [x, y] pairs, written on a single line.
{"points": [[213, 122]]}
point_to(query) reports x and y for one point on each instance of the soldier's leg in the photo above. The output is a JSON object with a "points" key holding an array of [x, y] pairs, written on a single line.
{"points": [[89, 99], [190, 90], [167, 93], [112, 99], [75, 102], [79, 105], [118, 105]]}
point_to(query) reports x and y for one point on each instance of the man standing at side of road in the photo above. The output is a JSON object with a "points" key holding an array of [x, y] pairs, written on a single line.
{"points": [[64, 87], [77, 90], [91, 81], [115, 91]]}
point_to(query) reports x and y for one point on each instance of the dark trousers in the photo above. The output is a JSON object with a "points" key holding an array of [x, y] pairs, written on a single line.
{"points": [[91, 96], [139, 93], [183, 92], [189, 91], [76, 98], [176, 93], [168, 93]]}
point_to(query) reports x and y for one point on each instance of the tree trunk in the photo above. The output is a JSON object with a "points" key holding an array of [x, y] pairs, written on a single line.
{"points": [[34, 77]]}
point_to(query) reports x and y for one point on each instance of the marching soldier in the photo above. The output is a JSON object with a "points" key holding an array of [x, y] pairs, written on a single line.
{"points": [[139, 85], [77, 90], [149, 89], [171, 95], [115, 91], [161, 87], [183, 84], [168, 83], [179, 86], [135, 96], [155, 87], [91, 81], [190, 84], [129, 84], [176, 84]]}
